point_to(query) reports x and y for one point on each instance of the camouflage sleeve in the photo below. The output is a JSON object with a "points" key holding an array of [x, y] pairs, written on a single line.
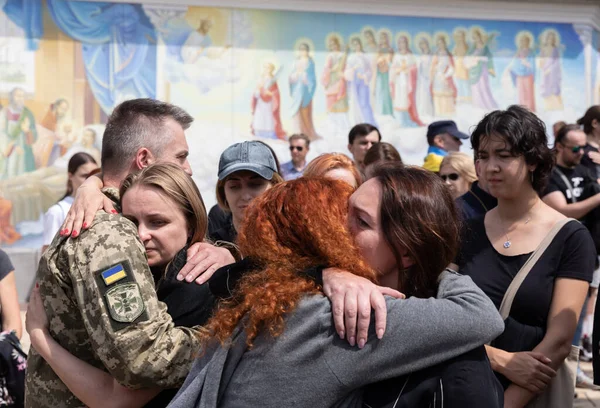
{"points": [[130, 330]]}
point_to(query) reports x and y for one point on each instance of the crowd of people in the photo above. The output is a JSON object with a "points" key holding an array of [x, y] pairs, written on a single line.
{"points": [[468, 282]]}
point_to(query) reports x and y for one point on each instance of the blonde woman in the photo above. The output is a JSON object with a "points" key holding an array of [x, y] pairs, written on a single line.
{"points": [[168, 210], [458, 172]]}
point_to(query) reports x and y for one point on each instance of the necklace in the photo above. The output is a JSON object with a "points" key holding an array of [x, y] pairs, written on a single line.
{"points": [[507, 244]]}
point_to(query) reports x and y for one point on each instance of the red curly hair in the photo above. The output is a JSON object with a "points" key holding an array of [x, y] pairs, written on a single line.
{"points": [[331, 161], [291, 227]]}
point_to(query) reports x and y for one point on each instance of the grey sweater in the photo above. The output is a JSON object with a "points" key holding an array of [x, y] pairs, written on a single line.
{"points": [[310, 366]]}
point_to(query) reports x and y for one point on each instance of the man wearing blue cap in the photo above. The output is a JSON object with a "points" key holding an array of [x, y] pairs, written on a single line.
{"points": [[443, 137]]}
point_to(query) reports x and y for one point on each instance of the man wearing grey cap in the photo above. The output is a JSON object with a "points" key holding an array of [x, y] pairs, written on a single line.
{"points": [[246, 170], [442, 136]]}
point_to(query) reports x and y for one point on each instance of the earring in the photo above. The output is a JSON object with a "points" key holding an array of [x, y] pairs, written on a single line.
{"points": [[532, 178]]}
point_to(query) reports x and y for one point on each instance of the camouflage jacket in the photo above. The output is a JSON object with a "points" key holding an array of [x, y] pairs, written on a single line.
{"points": [[101, 303]]}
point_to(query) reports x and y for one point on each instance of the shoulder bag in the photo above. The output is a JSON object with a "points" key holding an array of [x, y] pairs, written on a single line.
{"points": [[561, 390]]}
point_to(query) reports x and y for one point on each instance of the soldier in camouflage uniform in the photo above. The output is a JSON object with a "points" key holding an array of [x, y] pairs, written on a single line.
{"points": [[98, 291]]}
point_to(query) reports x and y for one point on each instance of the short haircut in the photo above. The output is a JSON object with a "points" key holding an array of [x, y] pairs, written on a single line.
{"points": [[381, 152], [300, 136], [361, 130], [592, 113], [135, 124], [462, 163], [524, 134], [561, 135]]}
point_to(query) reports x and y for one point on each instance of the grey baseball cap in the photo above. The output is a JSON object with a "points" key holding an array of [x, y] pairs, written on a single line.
{"points": [[251, 156]]}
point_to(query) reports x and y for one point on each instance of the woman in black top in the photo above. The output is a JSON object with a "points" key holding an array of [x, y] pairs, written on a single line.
{"points": [[514, 158]]}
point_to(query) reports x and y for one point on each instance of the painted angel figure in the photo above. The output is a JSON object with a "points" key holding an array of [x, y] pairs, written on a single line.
{"points": [[403, 83], [303, 83], [424, 78], [461, 72], [550, 70], [336, 91], [481, 66], [266, 104], [358, 74], [442, 71], [382, 94], [522, 70]]}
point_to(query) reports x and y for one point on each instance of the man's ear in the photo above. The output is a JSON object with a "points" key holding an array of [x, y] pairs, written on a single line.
{"points": [[143, 158], [438, 141]]}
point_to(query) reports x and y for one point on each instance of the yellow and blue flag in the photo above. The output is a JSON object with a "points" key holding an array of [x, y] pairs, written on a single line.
{"points": [[114, 274]]}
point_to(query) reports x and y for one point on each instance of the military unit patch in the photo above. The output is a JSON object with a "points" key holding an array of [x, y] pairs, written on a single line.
{"points": [[125, 302], [122, 295]]}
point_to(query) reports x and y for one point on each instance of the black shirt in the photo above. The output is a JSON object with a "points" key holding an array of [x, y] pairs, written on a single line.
{"points": [[188, 304], [588, 163], [579, 177], [475, 202], [227, 233], [217, 219], [570, 255]]}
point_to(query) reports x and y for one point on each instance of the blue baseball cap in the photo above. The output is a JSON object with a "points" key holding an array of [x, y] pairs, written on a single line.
{"points": [[252, 156], [445, 126]]}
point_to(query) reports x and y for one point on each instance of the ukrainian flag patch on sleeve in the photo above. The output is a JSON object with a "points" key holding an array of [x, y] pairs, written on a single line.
{"points": [[113, 274]]}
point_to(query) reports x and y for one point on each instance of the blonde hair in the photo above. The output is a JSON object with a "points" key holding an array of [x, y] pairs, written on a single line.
{"points": [[331, 161], [463, 164], [222, 200], [172, 181]]}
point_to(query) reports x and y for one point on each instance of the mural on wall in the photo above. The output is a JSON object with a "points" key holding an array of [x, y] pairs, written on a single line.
{"points": [[248, 74]]}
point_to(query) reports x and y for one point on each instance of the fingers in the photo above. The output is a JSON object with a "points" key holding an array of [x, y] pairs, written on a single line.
{"points": [[67, 226], [337, 308], [380, 308], [391, 292], [191, 270], [546, 370], [364, 318], [350, 315], [540, 357], [207, 274]]}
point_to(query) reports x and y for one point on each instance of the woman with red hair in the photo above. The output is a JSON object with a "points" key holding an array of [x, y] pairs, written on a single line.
{"points": [[273, 343], [335, 166]]}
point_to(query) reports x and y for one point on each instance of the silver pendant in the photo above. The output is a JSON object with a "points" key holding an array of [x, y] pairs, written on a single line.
{"points": [[506, 245]]}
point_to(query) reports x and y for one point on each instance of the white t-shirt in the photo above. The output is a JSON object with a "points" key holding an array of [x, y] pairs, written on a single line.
{"points": [[54, 218]]}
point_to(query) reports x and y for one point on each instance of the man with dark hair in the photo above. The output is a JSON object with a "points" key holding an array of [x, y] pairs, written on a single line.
{"points": [[572, 191], [299, 147], [98, 291], [442, 137], [360, 140], [569, 178]]}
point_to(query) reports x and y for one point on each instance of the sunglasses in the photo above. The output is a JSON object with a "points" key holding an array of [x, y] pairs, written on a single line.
{"points": [[451, 176], [576, 149], [299, 148]]}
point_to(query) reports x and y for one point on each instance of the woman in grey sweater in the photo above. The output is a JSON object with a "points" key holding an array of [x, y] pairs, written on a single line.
{"points": [[274, 343]]}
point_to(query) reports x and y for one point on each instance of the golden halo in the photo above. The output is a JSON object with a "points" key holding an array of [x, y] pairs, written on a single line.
{"points": [[357, 37], [443, 35], [545, 33], [337, 36], [307, 41], [423, 36], [389, 35], [524, 33], [403, 34], [368, 28], [460, 29]]}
